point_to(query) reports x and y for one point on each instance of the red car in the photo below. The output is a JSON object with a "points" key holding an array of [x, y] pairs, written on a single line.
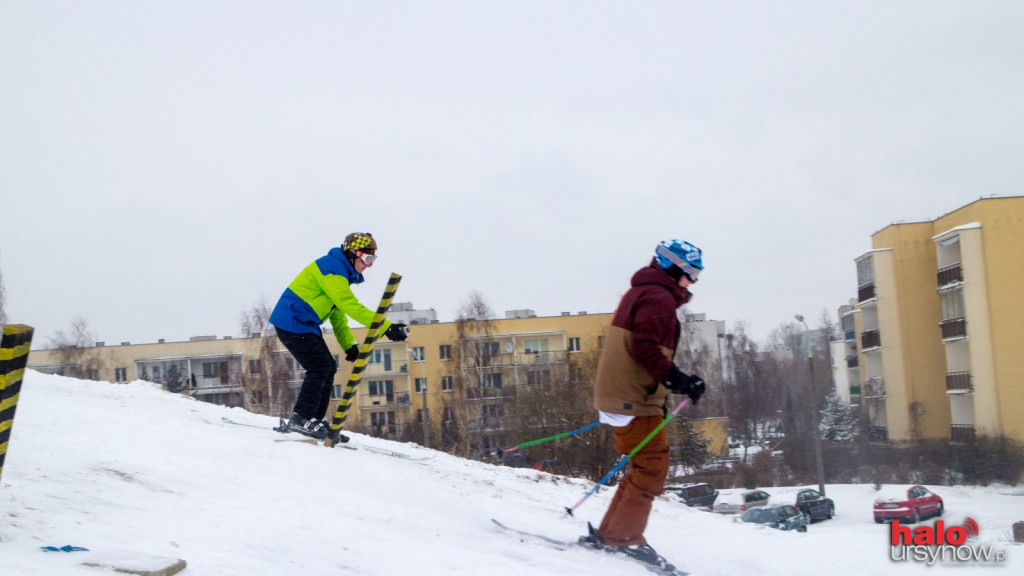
{"points": [[910, 504]]}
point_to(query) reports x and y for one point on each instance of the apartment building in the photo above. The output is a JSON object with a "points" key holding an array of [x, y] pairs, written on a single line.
{"points": [[448, 379], [933, 344], [406, 389]]}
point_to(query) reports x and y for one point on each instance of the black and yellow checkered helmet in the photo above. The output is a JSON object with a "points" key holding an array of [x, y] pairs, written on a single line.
{"points": [[360, 241]]}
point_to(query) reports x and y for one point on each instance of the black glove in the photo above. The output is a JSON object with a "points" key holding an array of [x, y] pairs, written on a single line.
{"points": [[682, 383], [352, 353], [396, 333]]}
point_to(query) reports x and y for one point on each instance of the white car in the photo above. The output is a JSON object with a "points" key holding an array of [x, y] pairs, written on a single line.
{"points": [[738, 502]]}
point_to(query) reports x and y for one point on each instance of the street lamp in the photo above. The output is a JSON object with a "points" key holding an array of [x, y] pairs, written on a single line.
{"points": [[819, 466], [426, 413]]}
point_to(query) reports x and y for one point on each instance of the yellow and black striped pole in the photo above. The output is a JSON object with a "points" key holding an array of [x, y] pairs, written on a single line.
{"points": [[364, 358], [14, 348]]}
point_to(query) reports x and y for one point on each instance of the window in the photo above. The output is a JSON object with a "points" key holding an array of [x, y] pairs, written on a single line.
{"points": [[447, 384], [488, 349], [491, 381], [381, 387], [865, 272], [381, 418], [535, 346], [120, 374], [383, 422], [449, 414], [257, 396], [156, 372], [490, 444], [417, 354], [421, 385], [538, 377], [255, 367], [419, 415], [215, 370], [383, 357], [493, 410], [574, 344], [445, 351], [952, 302]]}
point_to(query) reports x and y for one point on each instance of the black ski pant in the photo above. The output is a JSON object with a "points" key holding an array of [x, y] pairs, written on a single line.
{"points": [[312, 353]]}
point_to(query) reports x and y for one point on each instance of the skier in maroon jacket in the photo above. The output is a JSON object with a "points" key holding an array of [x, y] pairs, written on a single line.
{"points": [[634, 375]]}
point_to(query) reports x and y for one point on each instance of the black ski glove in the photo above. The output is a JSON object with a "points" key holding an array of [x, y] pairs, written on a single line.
{"points": [[352, 354], [682, 383], [397, 333]]}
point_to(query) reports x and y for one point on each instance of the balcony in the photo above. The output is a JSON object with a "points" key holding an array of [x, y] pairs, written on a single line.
{"points": [[217, 381], [516, 359], [961, 433], [490, 392], [958, 382], [866, 292], [950, 275], [385, 400], [870, 339], [874, 388], [953, 328]]}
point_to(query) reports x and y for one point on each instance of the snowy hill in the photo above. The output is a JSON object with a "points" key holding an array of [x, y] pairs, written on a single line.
{"points": [[130, 469]]}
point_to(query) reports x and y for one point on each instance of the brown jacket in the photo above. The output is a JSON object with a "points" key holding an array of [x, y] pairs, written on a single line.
{"points": [[639, 346]]}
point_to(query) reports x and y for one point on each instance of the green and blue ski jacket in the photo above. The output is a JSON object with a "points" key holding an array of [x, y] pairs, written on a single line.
{"points": [[323, 291]]}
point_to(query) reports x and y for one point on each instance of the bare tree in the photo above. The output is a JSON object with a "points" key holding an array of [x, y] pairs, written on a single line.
{"points": [[264, 388], [75, 352], [753, 393], [471, 361]]}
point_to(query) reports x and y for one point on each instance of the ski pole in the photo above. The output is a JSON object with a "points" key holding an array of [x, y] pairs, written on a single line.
{"points": [[549, 438], [372, 333], [622, 462]]}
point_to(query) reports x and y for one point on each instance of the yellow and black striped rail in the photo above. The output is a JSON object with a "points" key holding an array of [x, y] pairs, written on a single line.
{"points": [[14, 349], [364, 358]]}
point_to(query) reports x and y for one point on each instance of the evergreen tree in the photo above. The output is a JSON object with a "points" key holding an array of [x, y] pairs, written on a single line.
{"points": [[838, 423]]}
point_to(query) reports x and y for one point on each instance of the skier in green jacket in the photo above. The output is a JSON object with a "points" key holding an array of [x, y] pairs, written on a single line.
{"points": [[323, 291]]}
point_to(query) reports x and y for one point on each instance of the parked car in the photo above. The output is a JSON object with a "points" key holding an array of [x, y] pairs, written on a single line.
{"points": [[741, 501], [907, 503], [812, 504], [780, 516], [697, 494]]}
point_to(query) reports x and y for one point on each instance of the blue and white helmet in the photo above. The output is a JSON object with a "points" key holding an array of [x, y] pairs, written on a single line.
{"points": [[678, 257]]}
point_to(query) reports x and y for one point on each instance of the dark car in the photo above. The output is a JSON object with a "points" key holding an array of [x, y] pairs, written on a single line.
{"points": [[741, 501], [700, 494], [812, 504], [910, 504], [781, 516]]}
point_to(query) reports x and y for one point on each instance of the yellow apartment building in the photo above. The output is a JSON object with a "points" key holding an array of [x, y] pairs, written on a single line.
{"points": [[483, 363], [941, 326], [449, 382]]}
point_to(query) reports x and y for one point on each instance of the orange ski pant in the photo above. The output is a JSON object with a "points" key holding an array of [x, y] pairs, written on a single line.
{"points": [[626, 518]]}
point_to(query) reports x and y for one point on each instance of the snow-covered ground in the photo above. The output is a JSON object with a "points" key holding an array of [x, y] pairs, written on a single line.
{"points": [[130, 469]]}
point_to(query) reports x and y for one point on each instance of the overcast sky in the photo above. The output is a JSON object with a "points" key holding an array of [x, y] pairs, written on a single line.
{"points": [[164, 165]]}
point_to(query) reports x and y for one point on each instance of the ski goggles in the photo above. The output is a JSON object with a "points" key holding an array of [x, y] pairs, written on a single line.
{"points": [[692, 272], [367, 257]]}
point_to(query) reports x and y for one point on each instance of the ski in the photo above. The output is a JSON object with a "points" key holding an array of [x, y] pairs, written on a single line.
{"points": [[279, 429], [564, 545], [395, 454], [350, 446]]}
